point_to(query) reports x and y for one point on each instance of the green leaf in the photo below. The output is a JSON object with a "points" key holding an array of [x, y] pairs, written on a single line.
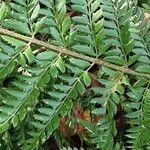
{"points": [[125, 17], [143, 68], [60, 64], [15, 120], [55, 34], [4, 127], [144, 59], [99, 111], [29, 55], [4, 57], [135, 114], [141, 82], [39, 25], [78, 62], [115, 98], [21, 60], [98, 25], [53, 71], [86, 78], [100, 36], [115, 59], [35, 12], [96, 15], [81, 19], [129, 47], [74, 94], [79, 2], [120, 89], [113, 107], [22, 27], [133, 105], [109, 15], [3, 9], [112, 32], [7, 69], [80, 8], [133, 59], [66, 25], [84, 49], [13, 41], [83, 29], [61, 8], [80, 87], [47, 55], [22, 114]]}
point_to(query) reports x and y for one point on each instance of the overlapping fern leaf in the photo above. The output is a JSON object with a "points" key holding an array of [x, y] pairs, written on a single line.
{"points": [[47, 58]]}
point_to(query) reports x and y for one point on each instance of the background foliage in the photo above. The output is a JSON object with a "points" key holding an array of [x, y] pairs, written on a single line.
{"points": [[74, 68]]}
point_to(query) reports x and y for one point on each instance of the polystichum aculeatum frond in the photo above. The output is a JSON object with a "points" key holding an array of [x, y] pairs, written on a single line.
{"points": [[87, 61]]}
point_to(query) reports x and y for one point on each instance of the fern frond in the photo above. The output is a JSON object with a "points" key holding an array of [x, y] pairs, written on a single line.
{"points": [[135, 114], [23, 92], [9, 54], [142, 41], [46, 120], [59, 102], [18, 18], [49, 60], [117, 15], [107, 98], [57, 22], [89, 28]]}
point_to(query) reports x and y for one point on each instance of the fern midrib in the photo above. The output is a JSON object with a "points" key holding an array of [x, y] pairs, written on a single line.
{"points": [[66, 51], [142, 116], [91, 27], [121, 42], [59, 28], [29, 17], [105, 104], [112, 89]]}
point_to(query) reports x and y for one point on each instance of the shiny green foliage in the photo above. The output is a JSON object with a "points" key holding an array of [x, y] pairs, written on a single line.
{"points": [[38, 86]]}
